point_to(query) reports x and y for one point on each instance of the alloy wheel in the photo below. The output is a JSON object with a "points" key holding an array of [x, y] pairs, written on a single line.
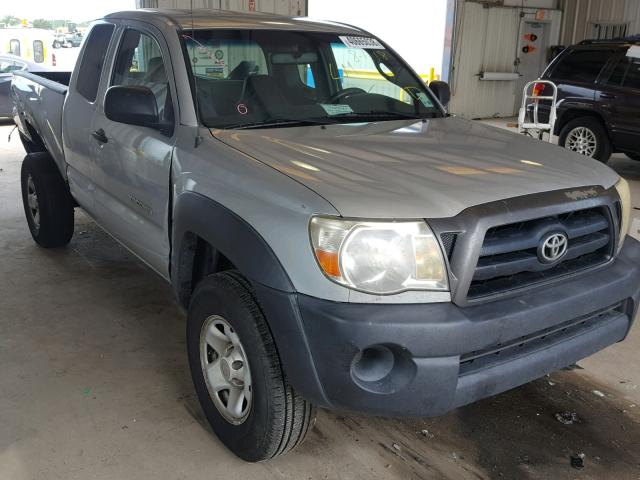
{"points": [[583, 141]]}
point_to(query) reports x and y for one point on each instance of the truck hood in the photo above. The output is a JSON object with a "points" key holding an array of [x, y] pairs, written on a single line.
{"points": [[408, 169]]}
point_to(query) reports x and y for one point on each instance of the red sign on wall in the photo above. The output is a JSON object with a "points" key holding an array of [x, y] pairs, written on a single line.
{"points": [[252, 5]]}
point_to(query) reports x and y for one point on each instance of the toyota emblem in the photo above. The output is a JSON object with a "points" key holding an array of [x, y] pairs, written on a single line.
{"points": [[553, 247]]}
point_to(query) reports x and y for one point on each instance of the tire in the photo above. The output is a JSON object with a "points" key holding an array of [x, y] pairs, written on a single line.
{"points": [[48, 204], [56, 44], [584, 129], [633, 156], [272, 418]]}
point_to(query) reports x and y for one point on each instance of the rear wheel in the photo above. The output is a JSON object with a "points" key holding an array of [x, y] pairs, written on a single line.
{"points": [[586, 136], [237, 373], [48, 204]]}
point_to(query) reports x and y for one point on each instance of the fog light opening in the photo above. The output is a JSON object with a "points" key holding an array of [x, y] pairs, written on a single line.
{"points": [[373, 364], [383, 369]]}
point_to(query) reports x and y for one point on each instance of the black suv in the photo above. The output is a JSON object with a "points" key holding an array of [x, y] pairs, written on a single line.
{"points": [[598, 108]]}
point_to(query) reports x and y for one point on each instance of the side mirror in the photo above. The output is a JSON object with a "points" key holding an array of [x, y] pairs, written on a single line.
{"points": [[442, 91], [133, 105]]}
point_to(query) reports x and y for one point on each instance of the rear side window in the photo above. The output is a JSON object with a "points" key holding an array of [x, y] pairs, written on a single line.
{"points": [[582, 66], [14, 47], [93, 61], [38, 51]]}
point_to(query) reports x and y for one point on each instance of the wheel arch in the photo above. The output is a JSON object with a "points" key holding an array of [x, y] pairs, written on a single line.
{"points": [[31, 140], [573, 113], [208, 238]]}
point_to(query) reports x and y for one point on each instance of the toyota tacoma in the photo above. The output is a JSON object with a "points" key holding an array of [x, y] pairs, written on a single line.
{"points": [[337, 239]]}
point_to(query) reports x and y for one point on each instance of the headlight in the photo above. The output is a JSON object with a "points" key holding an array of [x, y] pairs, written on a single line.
{"points": [[625, 200], [379, 257]]}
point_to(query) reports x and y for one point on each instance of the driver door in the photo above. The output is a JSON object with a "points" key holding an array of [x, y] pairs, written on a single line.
{"points": [[134, 181]]}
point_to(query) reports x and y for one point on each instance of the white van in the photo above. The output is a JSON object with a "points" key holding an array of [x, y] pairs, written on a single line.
{"points": [[32, 44]]}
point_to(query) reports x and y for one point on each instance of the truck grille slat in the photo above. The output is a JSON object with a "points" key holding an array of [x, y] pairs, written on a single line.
{"points": [[516, 237], [509, 256]]}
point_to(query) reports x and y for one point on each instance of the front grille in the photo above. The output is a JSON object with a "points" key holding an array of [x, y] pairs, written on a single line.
{"points": [[472, 362], [509, 256]]}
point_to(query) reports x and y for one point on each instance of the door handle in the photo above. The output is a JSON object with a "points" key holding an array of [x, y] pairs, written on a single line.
{"points": [[100, 136]]}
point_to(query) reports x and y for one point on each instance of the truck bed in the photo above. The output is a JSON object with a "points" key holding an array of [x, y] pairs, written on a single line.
{"points": [[57, 77], [39, 98]]}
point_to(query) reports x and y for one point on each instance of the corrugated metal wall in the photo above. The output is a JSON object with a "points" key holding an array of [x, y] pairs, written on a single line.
{"points": [[632, 13], [486, 41], [282, 7], [578, 15]]}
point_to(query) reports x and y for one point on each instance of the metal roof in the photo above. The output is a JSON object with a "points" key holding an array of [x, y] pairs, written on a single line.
{"points": [[207, 18]]}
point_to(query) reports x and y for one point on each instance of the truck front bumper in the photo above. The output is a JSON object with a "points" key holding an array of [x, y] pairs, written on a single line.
{"points": [[426, 359]]}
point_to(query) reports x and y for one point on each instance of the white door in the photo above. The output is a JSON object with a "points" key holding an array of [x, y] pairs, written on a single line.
{"points": [[533, 49]]}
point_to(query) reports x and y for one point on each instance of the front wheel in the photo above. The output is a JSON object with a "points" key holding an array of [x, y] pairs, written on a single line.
{"points": [[586, 136], [237, 373]]}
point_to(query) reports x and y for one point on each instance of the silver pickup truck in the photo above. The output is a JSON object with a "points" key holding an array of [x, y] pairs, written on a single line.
{"points": [[337, 238]]}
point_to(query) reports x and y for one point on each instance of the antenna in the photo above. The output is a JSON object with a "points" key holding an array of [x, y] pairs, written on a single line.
{"points": [[198, 139]]}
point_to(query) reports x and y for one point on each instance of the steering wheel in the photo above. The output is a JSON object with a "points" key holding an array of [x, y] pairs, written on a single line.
{"points": [[344, 93]]}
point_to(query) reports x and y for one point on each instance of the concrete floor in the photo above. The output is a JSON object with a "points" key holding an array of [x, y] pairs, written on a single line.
{"points": [[94, 384]]}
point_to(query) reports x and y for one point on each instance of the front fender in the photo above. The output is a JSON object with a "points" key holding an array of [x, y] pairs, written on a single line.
{"points": [[230, 235], [252, 256]]}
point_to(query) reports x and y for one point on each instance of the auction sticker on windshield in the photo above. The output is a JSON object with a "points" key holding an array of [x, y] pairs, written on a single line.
{"points": [[366, 43], [336, 109]]}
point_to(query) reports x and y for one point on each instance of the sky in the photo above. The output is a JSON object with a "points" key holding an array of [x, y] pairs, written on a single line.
{"points": [[74, 10], [424, 20]]}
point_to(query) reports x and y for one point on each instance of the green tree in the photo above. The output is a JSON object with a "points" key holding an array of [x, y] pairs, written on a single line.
{"points": [[59, 23], [10, 20], [42, 23]]}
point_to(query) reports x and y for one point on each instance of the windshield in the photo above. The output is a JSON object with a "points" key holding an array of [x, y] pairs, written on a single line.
{"points": [[264, 78]]}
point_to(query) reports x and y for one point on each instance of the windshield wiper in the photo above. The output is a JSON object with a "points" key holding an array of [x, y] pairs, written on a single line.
{"points": [[276, 122], [382, 114]]}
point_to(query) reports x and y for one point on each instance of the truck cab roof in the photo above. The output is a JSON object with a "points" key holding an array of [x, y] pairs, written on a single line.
{"points": [[199, 19]]}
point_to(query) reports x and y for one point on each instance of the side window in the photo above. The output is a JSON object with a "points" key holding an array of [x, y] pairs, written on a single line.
{"points": [[93, 60], [139, 62], [632, 80], [581, 65], [6, 66], [38, 51], [306, 75], [14, 47], [618, 73]]}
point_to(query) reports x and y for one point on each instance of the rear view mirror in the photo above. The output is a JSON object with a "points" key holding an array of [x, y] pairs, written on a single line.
{"points": [[442, 91], [133, 105], [294, 58]]}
